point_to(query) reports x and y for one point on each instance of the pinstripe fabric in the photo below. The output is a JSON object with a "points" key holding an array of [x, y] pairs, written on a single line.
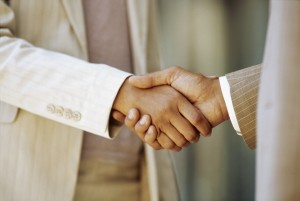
{"points": [[39, 157], [244, 90]]}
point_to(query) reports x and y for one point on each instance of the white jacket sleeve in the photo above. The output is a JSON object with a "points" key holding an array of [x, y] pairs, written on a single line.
{"points": [[54, 85]]}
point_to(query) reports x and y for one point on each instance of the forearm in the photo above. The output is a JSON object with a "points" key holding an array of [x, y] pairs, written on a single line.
{"points": [[243, 93], [33, 79]]}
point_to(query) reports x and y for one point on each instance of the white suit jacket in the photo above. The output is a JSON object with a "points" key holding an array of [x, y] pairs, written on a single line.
{"points": [[60, 95]]}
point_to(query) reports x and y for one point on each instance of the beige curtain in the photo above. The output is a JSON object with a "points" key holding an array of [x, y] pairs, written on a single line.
{"points": [[214, 37]]}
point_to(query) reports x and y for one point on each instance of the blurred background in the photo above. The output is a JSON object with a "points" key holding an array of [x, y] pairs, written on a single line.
{"points": [[214, 37]]}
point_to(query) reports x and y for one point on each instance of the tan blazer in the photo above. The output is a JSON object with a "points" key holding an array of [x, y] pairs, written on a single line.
{"points": [[40, 143], [244, 90], [278, 112]]}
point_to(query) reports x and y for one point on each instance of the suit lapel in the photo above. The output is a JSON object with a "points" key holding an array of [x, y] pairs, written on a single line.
{"points": [[74, 12]]}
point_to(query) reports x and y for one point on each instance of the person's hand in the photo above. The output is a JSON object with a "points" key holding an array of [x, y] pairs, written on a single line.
{"points": [[141, 126], [173, 116], [204, 92]]}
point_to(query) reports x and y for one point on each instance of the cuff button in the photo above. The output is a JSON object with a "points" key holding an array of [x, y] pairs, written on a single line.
{"points": [[76, 116], [59, 111], [51, 108], [68, 114]]}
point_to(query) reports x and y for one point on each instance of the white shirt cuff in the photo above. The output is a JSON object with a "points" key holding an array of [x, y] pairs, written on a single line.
{"points": [[225, 88]]}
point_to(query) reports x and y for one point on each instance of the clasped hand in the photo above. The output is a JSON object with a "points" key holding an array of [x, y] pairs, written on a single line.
{"points": [[171, 108]]}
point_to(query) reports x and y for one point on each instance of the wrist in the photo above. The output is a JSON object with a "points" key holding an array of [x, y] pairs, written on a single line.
{"points": [[220, 99], [123, 99]]}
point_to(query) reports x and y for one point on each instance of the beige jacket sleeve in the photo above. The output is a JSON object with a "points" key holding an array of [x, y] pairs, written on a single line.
{"points": [[54, 85], [244, 90]]}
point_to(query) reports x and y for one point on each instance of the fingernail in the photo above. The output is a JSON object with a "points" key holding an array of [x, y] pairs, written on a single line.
{"points": [[143, 121], [130, 115]]}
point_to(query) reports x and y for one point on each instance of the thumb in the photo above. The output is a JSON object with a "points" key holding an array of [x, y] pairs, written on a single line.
{"points": [[158, 78], [118, 116]]}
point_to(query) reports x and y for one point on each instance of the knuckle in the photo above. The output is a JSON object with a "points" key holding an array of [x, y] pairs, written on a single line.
{"points": [[196, 139], [192, 134], [182, 143], [162, 125], [168, 145], [130, 122], [139, 129], [165, 109], [156, 146], [192, 138], [174, 68], [207, 131], [197, 118], [176, 149]]}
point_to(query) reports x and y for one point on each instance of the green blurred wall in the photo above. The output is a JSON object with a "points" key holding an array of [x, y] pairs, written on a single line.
{"points": [[214, 37]]}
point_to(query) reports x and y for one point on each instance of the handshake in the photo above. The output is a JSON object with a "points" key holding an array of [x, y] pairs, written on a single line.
{"points": [[171, 108]]}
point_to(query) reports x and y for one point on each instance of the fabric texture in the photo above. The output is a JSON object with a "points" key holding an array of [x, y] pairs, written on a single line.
{"points": [[111, 47], [225, 88], [40, 151], [119, 170], [244, 85], [278, 115], [107, 181]]}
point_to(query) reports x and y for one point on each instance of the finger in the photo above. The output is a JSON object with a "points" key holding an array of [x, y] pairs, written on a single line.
{"points": [[150, 138], [176, 149], [118, 116], [196, 139], [185, 128], [132, 118], [164, 137], [151, 135], [143, 125], [195, 117], [177, 137], [164, 77], [156, 145], [167, 143]]}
